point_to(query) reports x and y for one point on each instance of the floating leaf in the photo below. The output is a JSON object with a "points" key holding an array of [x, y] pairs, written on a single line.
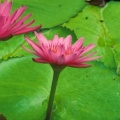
{"points": [[86, 24], [81, 93], [7, 48], [96, 25], [23, 91], [51, 13], [111, 15]]}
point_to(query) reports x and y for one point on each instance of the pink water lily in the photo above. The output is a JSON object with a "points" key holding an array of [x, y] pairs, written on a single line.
{"points": [[12, 24], [60, 51]]}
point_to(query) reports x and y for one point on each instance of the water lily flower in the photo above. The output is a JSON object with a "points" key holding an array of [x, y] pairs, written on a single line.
{"points": [[60, 51], [13, 24]]}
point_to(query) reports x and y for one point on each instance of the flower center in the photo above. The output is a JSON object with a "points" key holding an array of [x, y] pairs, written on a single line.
{"points": [[55, 47], [68, 51]]}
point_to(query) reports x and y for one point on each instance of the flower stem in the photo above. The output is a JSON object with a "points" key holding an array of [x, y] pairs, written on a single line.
{"points": [[56, 73]]}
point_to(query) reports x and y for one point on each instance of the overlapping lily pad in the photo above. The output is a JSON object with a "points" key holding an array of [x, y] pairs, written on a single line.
{"points": [[100, 26]]}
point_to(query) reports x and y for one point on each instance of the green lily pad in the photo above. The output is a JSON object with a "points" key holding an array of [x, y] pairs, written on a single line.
{"points": [[112, 11], [21, 93], [51, 13], [86, 24], [8, 47], [89, 94], [111, 15], [81, 93], [101, 27]]}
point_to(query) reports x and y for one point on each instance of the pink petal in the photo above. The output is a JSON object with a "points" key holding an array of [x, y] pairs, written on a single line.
{"points": [[30, 51], [52, 56], [5, 28], [79, 65], [20, 22], [18, 13], [85, 57], [41, 38], [55, 39], [6, 8], [67, 41], [61, 40], [1, 21], [78, 44], [40, 60], [70, 58], [22, 27], [61, 59], [88, 59], [35, 47], [45, 50], [60, 50], [88, 48], [26, 30]]}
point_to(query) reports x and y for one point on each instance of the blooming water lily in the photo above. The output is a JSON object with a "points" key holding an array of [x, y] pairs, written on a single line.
{"points": [[59, 53], [13, 24]]}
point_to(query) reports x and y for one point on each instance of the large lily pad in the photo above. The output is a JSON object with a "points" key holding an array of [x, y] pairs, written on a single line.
{"points": [[21, 93], [51, 13], [101, 27], [111, 15], [81, 93]]}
